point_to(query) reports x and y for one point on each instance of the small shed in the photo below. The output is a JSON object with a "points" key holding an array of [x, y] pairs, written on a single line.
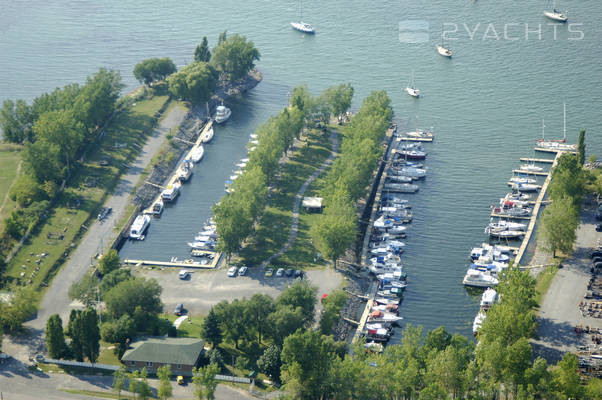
{"points": [[312, 204]]}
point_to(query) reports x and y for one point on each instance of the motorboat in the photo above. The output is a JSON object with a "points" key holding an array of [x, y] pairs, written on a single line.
{"points": [[505, 234], [253, 136], [205, 238], [383, 300], [207, 135], [514, 196], [222, 114], [556, 15], [197, 153], [381, 335], [420, 134], [393, 308], [184, 172], [379, 316], [171, 192], [488, 298], [303, 27], [412, 154], [477, 278], [399, 178], [513, 211], [412, 172], [507, 225], [208, 233], [520, 179], [139, 226], [401, 187], [525, 187], [157, 207], [201, 245], [478, 322], [488, 253], [530, 168]]}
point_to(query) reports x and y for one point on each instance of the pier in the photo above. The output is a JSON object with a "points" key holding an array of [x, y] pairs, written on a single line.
{"points": [[413, 139], [521, 171], [177, 264], [539, 160], [506, 216], [174, 177]]}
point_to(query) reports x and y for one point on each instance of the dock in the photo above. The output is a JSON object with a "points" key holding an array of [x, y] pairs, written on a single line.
{"points": [[533, 219], [362, 321], [539, 160], [522, 171], [175, 264], [172, 180], [544, 150], [506, 216], [515, 183], [413, 139]]}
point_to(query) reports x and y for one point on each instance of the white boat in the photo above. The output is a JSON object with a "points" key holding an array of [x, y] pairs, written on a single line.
{"points": [[157, 207], [379, 316], [477, 278], [419, 133], [383, 300], [172, 192], [530, 168], [556, 144], [505, 233], [441, 49], [507, 225], [197, 153], [139, 226], [222, 114], [253, 136], [556, 15], [241, 164], [401, 187], [207, 136], [525, 187], [478, 322], [303, 27], [184, 172], [410, 89], [488, 298], [520, 179], [413, 172], [201, 245]]}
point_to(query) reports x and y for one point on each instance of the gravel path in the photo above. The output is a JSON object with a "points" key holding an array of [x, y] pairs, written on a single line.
{"points": [[559, 312], [334, 140]]}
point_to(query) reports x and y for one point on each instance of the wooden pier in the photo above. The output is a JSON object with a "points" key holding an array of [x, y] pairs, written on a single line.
{"points": [[539, 160], [177, 264], [522, 171], [172, 180], [413, 139], [363, 320]]}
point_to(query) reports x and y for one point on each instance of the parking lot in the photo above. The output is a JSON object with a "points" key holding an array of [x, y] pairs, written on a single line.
{"points": [[203, 289]]}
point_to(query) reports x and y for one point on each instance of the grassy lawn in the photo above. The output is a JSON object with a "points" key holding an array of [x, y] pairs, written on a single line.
{"points": [[544, 280], [87, 191], [187, 329], [98, 393], [274, 227], [107, 356], [10, 164]]}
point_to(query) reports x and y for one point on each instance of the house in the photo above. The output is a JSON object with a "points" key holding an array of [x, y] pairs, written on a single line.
{"points": [[183, 354], [312, 204]]}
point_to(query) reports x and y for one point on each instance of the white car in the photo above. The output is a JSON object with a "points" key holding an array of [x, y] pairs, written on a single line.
{"points": [[183, 274], [232, 271], [242, 270]]}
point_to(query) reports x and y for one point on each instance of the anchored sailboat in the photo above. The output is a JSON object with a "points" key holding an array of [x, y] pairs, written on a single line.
{"points": [[412, 91], [557, 144], [441, 49], [556, 15], [302, 26]]}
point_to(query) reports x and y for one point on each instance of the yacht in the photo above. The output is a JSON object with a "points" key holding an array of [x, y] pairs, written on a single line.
{"points": [[207, 136], [139, 226], [158, 207], [445, 52], [520, 179], [556, 144], [477, 278], [172, 192], [525, 187], [506, 225], [505, 233], [401, 187], [556, 15], [303, 27], [530, 168], [412, 172], [489, 298], [222, 113], [197, 153], [420, 134]]}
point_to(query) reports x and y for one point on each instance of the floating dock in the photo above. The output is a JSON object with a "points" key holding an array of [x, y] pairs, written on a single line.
{"points": [[413, 139], [363, 320], [174, 178], [539, 160], [516, 183], [176, 264], [522, 171], [544, 150]]}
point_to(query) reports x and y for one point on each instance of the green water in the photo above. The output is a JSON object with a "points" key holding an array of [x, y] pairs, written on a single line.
{"points": [[485, 105]]}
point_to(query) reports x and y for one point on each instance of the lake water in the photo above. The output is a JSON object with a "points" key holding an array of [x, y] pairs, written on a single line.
{"points": [[485, 105]]}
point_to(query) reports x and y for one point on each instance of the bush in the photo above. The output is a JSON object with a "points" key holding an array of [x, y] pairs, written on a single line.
{"points": [[26, 190]]}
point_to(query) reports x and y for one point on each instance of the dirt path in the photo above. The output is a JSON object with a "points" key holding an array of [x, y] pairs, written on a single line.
{"points": [[11, 186], [334, 140]]}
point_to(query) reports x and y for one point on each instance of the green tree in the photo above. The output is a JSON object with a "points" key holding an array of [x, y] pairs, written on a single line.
{"points": [[119, 379], [568, 179], [55, 340], [259, 308], [16, 121], [90, 334], [154, 69], [338, 98], [144, 389], [558, 225], [85, 290], [118, 331], [42, 160], [114, 278], [205, 382], [165, 390], [75, 332], [210, 331], [16, 310], [300, 294], [233, 319], [109, 262], [565, 378], [283, 322], [269, 363], [195, 82], [202, 52], [301, 98], [438, 339], [222, 37], [581, 148], [26, 190], [127, 295], [332, 306], [234, 57]]}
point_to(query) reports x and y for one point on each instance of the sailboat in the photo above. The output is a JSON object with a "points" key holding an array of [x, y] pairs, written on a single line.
{"points": [[556, 15], [556, 144], [302, 26], [412, 91], [441, 49]]}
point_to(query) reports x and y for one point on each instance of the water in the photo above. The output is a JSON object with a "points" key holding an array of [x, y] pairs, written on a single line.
{"points": [[486, 104]]}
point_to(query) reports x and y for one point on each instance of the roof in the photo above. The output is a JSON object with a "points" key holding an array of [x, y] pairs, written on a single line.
{"points": [[185, 351], [312, 202]]}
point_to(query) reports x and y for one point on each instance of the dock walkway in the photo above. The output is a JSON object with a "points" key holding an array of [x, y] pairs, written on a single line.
{"points": [[177, 264]]}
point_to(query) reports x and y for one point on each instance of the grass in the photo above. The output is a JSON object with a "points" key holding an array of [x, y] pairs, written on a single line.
{"points": [[187, 329], [10, 162], [274, 227], [107, 356], [86, 192], [97, 393], [544, 280]]}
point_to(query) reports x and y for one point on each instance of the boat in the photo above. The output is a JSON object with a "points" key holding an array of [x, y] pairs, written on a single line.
{"points": [[383, 300], [381, 335], [556, 15], [556, 144], [201, 245], [139, 226], [222, 114], [197, 153], [520, 179], [525, 187], [488, 298], [505, 233], [410, 89], [399, 178], [411, 154], [172, 192], [184, 172], [157, 207], [478, 322], [419, 134], [302, 26], [477, 278], [412, 172], [401, 187], [207, 136], [379, 316], [507, 225], [530, 168], [441, 49]]}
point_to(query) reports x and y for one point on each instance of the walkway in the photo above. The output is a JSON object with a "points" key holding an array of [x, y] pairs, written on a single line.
{"points": [[334, 140]]}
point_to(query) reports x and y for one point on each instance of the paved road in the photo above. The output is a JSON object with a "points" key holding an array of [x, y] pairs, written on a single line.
{"points": [[56, 299], [559, 312]]}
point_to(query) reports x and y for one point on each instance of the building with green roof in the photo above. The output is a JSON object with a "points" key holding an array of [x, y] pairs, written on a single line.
{"points": [[183, 354]]}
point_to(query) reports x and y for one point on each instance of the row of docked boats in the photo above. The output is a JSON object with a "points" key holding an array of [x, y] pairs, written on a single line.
{"points": [[241, 164], [488, 299]]}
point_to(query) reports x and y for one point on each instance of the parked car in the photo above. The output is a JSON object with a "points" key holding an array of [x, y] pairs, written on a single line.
{"points": [[179, 309], [289, 272], [599, 228], [232, 271], [242, 270], [269, 272], [183, 274], [280, 272], [298, 274]]}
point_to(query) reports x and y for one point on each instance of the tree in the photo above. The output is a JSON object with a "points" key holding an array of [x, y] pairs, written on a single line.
{"points": [[55, 340], [127, 295], [14, 311], [283, 322], [222, 37], [568, 179], [269, 363], [112, 279], [259, 308], [210, 331], [154, 69], [109, 262], [144, 389], [26, 190], [300, 294], [118, 331], [16, 121], [91, 334], [234, 57], [205, 382], [233, 319], [565, 378], [42, 160], [75, 332], [195, 82], [85, 290], [301, 98], [165, 390], [581, 148], [338, 98], [119, 378], [332, 306], [558, 225], [202, 52]]}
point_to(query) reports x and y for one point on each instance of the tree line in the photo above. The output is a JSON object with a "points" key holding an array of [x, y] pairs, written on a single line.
{"points": [[350, 174]]}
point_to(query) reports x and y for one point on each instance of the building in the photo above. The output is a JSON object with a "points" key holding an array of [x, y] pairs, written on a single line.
{"points": [[183, 354], [312, 204]]}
